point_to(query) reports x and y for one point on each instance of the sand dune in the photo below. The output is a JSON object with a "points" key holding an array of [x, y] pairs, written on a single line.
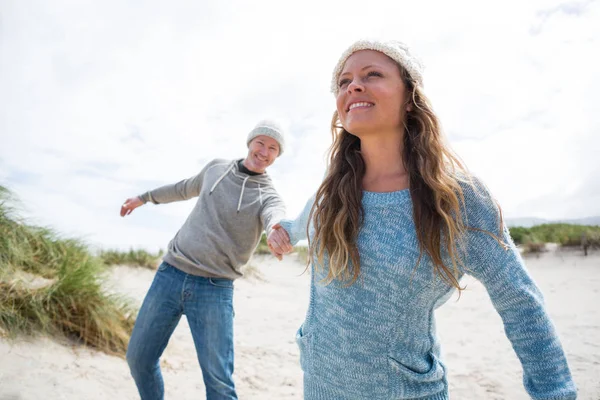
{"points": [[481, 362]]}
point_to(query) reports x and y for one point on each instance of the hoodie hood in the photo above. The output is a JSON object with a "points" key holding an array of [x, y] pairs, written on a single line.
{"points": [[261, 181]]}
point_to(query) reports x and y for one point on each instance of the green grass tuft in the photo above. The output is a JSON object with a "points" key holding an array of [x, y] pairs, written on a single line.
{"points": [[567, 235], [70, 301], [262, 247], [135, 258], [301, 253]]}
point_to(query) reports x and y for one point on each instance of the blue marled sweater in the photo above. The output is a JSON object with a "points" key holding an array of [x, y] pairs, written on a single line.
{"points": [[376, 339]]}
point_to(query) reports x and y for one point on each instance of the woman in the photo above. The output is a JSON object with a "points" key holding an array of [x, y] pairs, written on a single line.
{"points": [[392, 229]]}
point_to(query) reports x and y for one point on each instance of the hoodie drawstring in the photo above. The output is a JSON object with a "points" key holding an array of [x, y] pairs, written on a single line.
{"points": [[243, 187], [220, 179], [242, 193]]}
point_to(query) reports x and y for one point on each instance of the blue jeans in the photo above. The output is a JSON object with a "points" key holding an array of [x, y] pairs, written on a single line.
{"points": [[208, 305]]}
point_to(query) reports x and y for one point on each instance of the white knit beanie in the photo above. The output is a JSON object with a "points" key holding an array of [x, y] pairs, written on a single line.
{"points": [[271, 129], [394, 49]]}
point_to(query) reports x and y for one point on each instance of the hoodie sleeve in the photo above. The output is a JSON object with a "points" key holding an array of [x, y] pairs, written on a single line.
{"points": [[297, 228], [272, 212], [182, 190], [517, 300]]}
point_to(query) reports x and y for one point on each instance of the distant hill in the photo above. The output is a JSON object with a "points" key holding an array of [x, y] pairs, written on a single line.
{"points": [[529, 222]]}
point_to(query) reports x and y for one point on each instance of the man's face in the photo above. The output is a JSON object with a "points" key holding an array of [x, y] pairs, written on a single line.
{"points": [[262, 152]]}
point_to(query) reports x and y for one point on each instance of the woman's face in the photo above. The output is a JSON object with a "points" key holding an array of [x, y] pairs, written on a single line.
{"points": [[371, 97]]}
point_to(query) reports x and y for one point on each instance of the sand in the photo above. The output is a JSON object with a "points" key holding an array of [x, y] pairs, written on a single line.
{"points": [[480, 359]]}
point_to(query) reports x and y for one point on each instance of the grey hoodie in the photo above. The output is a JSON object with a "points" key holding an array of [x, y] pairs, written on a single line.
{"points": [[225, 226]]}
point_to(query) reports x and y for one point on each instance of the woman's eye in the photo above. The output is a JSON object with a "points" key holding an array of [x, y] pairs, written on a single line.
{"points": [[374, 73], [343, 82]]}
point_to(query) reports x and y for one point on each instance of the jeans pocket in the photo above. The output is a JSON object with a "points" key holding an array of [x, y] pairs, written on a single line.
{"points": [[407, 382], [163, 266], [221, 282]]}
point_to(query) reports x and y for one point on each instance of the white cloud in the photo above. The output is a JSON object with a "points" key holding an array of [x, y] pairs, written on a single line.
{"points": [[100, 101]]}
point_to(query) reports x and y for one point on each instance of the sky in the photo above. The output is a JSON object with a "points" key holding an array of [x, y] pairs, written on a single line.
{"points": [[104, 100]]}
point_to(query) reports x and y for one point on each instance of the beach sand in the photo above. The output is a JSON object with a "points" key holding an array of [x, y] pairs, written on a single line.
{"points": [[480, 360]]}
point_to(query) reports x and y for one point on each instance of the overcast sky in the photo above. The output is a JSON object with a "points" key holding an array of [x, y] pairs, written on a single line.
{"points": [[103, 100]]}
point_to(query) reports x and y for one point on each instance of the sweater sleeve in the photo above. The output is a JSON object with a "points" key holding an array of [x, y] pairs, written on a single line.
{"points": [[518, 300], [182, 190], [297, 228]]}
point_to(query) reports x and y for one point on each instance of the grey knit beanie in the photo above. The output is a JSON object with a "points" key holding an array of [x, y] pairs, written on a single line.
{"points": [[394, 49], [271, 129]]}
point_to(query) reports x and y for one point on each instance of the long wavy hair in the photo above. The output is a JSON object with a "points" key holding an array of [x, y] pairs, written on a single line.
{"points": [[435, 173]]}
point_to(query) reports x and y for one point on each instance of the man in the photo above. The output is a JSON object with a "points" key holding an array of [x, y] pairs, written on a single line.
{"points": [[236, 201]]}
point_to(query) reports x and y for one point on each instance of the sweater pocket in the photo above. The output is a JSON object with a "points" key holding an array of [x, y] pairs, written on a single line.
{"points": [[304, 342], [408, 383]]}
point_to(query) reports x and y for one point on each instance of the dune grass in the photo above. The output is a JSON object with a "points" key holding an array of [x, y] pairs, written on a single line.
{"points": [[252, 272], [262, 247], [70, 302], [134, 258], [567, 235], [301, 253]]}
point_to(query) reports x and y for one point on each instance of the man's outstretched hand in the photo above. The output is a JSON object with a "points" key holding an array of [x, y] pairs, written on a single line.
{"points": [[130, 205]]}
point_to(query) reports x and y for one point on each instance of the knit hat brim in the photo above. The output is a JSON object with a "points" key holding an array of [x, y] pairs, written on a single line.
{"points": [[394, 49], [270, 129]]}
